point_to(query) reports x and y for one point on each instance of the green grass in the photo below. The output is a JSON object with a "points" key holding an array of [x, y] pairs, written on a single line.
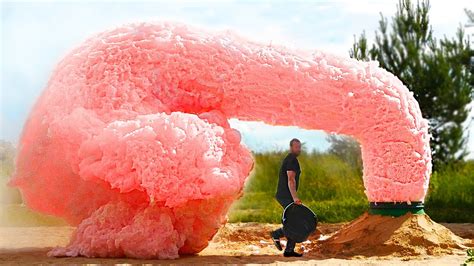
{"points": [[20, 215], [328, 186], [334, 190], [451, 194]]}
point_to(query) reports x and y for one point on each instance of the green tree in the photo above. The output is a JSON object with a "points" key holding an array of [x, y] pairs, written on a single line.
{"points": [[437, 71], [347, 149]]}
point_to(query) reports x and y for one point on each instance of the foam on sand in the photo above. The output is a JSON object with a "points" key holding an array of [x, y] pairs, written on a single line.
{"points": [[130, 139]]}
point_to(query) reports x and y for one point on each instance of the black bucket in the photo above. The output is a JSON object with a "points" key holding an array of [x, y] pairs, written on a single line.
{"points": [[299, 222]]}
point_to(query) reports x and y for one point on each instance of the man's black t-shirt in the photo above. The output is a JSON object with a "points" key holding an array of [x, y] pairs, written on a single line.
{"points": [[290, 163]]}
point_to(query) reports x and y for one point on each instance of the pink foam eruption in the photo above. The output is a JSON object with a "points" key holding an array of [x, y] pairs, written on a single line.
{"points": [[130, 140]]}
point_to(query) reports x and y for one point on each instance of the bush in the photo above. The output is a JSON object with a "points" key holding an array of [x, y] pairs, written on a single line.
{"points": [[335, 191], [451, 193]]}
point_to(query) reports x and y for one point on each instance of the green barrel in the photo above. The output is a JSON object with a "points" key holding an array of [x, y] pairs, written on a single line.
{"points": [[396, 208]]}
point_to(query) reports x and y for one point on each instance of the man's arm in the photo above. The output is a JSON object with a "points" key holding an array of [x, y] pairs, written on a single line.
{"points": [[292, 186]]}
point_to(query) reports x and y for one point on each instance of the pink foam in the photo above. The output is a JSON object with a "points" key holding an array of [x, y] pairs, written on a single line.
{"points": [[130, 139]]}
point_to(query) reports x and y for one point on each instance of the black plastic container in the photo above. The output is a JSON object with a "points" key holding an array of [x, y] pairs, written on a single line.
{"points": [[299, 222]]}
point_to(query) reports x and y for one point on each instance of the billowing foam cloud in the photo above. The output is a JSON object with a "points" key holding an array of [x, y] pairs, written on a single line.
{"points": [[130, 139]]}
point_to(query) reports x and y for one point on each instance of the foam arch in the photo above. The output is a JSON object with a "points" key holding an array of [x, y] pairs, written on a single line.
{"points": [[130, 138]]}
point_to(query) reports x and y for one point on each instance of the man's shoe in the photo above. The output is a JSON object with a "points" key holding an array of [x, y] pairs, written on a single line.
{"points": [[276, 241], [291, 254]]}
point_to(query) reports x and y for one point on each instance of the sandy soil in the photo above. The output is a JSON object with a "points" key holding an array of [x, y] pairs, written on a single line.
{"points": [[405, 236], [235, 243]]}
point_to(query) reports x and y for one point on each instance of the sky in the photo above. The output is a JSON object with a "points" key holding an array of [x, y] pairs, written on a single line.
{"points": [[36, 35]]}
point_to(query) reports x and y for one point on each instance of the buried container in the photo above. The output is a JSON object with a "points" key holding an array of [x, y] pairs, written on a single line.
{"points": [[299, 222]]}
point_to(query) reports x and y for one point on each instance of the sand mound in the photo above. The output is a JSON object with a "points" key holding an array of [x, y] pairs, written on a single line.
{"points": [[408, 235]]}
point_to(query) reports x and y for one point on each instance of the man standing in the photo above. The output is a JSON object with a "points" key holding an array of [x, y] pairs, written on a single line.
{"points": [[286, 193]]}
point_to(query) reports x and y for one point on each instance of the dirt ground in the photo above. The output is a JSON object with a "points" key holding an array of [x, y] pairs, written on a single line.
{"points": [[239, 243]]}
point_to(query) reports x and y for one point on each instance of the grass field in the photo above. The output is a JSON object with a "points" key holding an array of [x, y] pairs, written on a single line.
{"points": [[451, 195], [328, 185], [334, 190]]}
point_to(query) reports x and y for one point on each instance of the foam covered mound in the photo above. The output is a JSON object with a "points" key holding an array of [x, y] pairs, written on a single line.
{"points": [[130, 139]]}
